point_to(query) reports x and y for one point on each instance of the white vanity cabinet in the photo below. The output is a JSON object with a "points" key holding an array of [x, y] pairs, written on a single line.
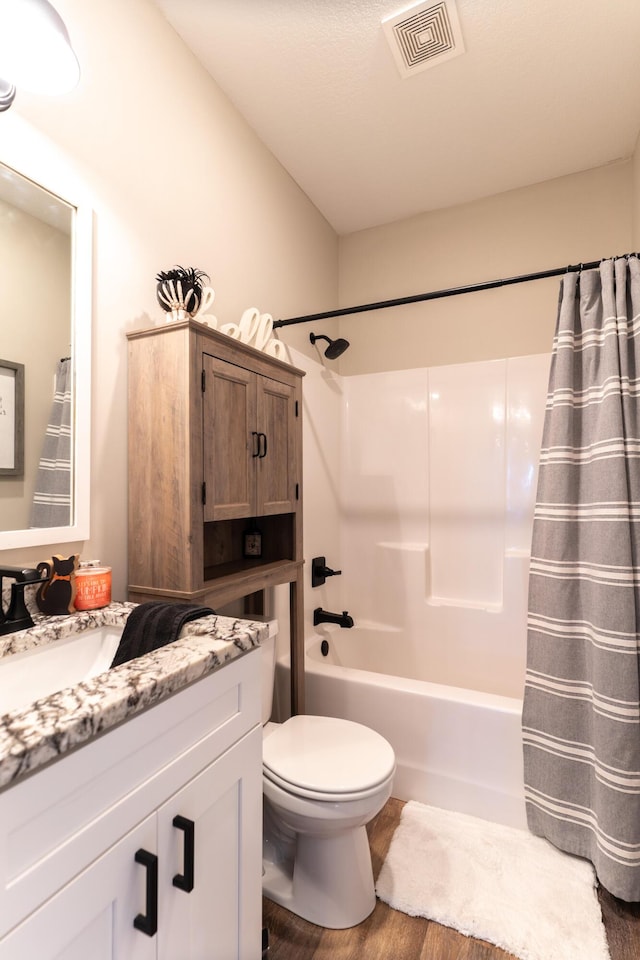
{"points": [[74, 843]]}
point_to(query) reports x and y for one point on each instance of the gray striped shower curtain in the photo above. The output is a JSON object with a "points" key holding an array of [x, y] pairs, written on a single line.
{"points": [[581, 719], [51, 505]]}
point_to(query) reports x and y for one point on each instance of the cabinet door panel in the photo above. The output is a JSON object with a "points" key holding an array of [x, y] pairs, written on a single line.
{"points": [[91, 918], [229, 419], [220, 919], [276, 470]]}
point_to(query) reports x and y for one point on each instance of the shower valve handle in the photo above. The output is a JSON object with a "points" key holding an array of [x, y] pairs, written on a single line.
{"points": [[320, 571]]}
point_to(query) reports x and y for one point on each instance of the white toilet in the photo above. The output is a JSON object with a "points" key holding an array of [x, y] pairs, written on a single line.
{"points": [[323, 780]]}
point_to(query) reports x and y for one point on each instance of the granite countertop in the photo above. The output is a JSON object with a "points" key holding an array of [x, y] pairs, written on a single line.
{"points": [[47, 728]]}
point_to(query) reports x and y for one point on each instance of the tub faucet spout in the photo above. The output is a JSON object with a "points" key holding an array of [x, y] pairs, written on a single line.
{"points": [[325, 616]]}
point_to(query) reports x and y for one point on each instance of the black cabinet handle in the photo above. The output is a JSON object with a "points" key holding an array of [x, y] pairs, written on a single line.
{"points": [[256, 445], [184, 881], [263, 445], [148, 922]]}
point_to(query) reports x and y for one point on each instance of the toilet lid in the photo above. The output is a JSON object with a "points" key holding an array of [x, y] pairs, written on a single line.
{"points": [[317, 756]]}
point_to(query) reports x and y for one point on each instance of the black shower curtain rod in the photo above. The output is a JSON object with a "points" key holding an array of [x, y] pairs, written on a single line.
{"points": [[439, 294]]}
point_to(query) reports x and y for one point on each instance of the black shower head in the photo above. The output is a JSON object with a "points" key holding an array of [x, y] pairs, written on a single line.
{"points": [[336, 347]]}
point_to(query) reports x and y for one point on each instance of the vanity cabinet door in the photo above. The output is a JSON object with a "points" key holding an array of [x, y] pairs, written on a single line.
{"points": [[92, 917], [219, 918]]}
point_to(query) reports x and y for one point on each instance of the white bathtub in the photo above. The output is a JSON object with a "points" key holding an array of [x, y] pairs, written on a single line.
{"points": [[455, 748]]}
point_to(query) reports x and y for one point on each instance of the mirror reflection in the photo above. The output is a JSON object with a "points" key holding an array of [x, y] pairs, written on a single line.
{"points": [[36, 253]]}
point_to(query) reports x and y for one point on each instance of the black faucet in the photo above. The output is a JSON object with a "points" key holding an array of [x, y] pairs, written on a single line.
{"points": [[17, 616], [324, 616]]}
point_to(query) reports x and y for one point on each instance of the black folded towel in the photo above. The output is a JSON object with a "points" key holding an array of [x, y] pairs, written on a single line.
{"points": [[153, 625]]}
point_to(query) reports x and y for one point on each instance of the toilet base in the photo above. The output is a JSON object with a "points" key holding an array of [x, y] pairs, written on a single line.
{"points": [[330, 883]]}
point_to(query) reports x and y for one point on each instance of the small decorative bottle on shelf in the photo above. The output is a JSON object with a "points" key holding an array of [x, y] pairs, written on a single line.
{"points": [[252, 544]]}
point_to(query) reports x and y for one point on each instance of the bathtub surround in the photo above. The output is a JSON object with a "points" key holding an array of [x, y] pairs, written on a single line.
{"points": [[582, 697], [493, 883], [437, 485]]}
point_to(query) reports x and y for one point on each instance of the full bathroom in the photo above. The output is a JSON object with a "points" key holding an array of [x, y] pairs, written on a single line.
{"points": [[420, 441]]}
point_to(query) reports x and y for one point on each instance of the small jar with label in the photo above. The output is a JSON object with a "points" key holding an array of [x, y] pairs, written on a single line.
{"points": [[252, 542], [93, 585]]}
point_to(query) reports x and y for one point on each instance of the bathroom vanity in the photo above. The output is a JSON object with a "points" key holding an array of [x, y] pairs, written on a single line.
{"points": [[130, 804], [215, 447]]}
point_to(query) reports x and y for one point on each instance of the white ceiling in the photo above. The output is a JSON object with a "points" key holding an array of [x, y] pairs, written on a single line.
{"points": [[544, 89]]}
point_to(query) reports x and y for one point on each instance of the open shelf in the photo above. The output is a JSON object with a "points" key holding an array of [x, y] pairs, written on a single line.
{"points": [[224, 541], [231, 575]]}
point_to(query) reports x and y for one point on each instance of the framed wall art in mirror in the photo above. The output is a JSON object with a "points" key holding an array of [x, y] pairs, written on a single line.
{"points": [[45, 325], [11, 419]]}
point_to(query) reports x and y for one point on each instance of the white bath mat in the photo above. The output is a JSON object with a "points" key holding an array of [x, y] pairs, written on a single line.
{"points": [[495, 883]]}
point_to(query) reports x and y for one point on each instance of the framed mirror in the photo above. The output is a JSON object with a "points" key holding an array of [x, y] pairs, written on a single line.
{"points": [[45, 335]]}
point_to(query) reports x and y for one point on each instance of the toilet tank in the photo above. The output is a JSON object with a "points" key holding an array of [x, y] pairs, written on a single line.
{"points": [[268, 652]]}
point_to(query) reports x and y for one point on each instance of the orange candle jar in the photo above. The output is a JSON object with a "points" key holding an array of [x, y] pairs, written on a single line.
{"points": [[93, 585]]}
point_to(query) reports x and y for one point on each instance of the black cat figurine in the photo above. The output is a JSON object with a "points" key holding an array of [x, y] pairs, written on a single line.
{"points": [[57, 595]]}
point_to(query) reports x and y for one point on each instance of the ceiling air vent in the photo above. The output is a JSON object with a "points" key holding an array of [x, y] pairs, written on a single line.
{"points": [[423, 36]]}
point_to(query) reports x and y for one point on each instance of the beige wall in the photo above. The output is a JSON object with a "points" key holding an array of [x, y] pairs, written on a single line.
{"points": [[174, 176], [574, 219]]}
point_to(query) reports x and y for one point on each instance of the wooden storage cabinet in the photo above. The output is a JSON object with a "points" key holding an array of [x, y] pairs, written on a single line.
{"points": [[215, 442]]}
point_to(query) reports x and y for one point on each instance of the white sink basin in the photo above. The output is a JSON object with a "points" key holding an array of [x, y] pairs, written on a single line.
{"points": [[43, 670]]}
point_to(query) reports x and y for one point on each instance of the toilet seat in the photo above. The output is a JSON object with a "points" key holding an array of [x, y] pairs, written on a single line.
{"points": [[325, 758]]}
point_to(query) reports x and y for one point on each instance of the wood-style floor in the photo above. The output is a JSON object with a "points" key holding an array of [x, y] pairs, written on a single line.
{"points": [[390, 935]]}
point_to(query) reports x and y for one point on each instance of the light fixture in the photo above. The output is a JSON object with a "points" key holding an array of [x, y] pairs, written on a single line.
{"points": [[35, 51], [336, 347]]}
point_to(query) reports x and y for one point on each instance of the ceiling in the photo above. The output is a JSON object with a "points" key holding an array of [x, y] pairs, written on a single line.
{"points": [[542, 90]]}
